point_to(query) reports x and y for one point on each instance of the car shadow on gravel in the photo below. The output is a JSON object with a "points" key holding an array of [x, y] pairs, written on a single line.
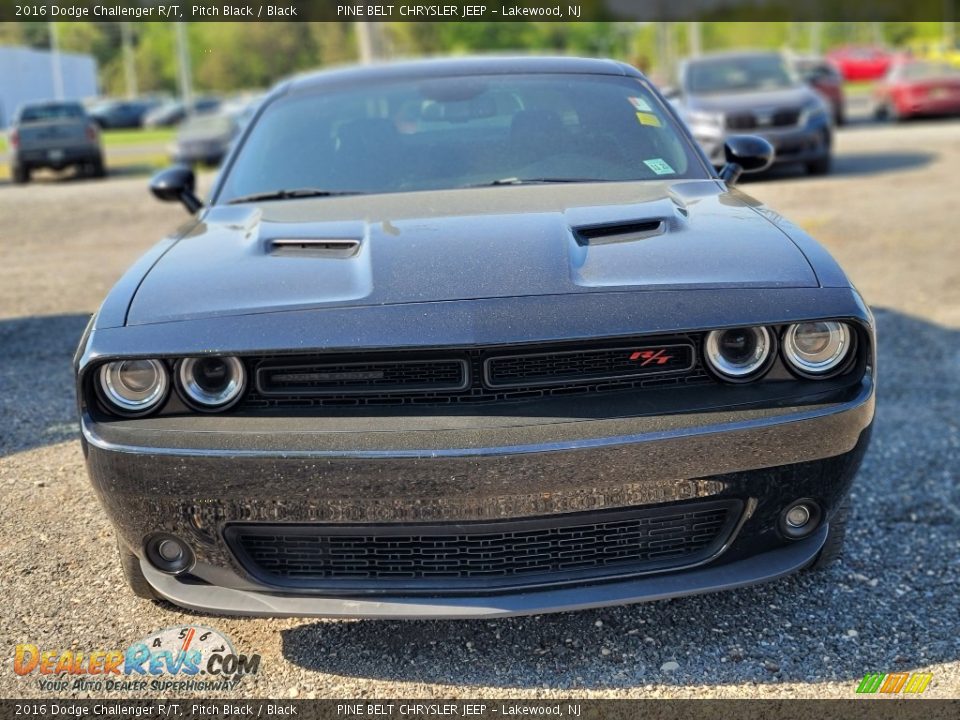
{"points": [[850, 165], [888, 606], [37, 403], [49, 177]]}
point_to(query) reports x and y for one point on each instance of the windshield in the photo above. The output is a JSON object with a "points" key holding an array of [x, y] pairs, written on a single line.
{"points": [[456, 132], [39, 113], [739, 74], [927, 70]]}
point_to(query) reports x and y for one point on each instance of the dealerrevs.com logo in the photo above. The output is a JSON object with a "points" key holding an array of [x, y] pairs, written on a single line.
{"points": [[894, 683], [186, 658]]}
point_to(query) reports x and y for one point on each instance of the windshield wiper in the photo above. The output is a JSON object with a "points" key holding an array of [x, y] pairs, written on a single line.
{"points": [[287, 194], [533, 181]]}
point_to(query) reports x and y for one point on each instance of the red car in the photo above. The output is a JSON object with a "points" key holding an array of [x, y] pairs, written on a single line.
{"points": [[916, 87], [861, 63], [824, 77]]}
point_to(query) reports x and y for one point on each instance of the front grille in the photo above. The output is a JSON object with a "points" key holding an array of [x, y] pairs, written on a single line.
{"points": [[741, 121], [784, 117], [485, 555], [599, 364], [475, 375], [384, 376]]}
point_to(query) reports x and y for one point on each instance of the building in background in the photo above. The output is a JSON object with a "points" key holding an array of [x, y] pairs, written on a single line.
{"points": [[27, 75]]}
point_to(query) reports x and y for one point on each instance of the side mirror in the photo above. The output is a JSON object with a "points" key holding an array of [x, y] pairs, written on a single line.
{"points": [[670, 92], [745, 154], [176, 184]]}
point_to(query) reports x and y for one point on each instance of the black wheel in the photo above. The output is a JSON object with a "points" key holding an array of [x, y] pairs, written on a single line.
{"points": [[833, 548], [839, 117], [820, 166], [21, 174], [97, 169], [130, 564], [891, 113]]}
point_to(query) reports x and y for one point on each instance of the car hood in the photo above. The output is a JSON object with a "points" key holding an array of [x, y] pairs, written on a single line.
{"points": [[511, 241], [795, 97]]}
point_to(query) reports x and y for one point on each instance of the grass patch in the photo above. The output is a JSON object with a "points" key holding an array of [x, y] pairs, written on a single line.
{"points": [[858, 88], [114, 138]]}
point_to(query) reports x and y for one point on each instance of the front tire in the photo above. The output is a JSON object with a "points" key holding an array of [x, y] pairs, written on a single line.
{"points": [[820, 166], [832, 549], [890, 113], [130, 564], [97, 168], [21, 174]]}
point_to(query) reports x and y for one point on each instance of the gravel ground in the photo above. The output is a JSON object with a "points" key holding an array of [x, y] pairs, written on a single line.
{"points": [[890, 215]]}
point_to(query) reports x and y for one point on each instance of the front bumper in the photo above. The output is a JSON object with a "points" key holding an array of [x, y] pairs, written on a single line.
{"points": [[927, 106], [228, 601], [198, 153], [58, 158], [194, 484], [792, 144]]}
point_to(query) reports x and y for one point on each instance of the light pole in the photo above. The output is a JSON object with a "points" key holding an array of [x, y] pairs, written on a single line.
{"points": [[364, 42], [129, 70], [55, 66], [695, 40], [183, 56]]}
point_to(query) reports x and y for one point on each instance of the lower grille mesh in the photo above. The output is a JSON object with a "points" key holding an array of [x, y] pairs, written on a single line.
{"points": [[484, 554]]}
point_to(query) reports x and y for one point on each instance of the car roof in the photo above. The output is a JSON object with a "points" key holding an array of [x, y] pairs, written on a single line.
{"points": [[49, 103], [734, 54], [462, 66]]}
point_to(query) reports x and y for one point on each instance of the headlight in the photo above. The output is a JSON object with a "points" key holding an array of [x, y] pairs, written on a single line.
{"points": [[817, 348], [812, 108], [211, 383], [133, 387], [705, 120], [739, 354]]}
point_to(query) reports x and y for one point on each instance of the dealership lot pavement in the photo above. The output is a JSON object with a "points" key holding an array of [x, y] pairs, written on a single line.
{"points": [[890, 213]]}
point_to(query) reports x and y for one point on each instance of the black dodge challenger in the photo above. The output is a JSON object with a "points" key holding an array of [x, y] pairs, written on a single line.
{"points": [[469, 338]]}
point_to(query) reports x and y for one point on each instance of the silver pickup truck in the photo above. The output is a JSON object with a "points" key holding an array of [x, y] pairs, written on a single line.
{"points": [[54, 135]]}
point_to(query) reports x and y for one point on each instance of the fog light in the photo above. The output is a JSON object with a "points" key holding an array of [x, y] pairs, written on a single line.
{"points": [[169, 554], [211, 383], [170, 550], [797, 516], [739, 354], [800, 519]]}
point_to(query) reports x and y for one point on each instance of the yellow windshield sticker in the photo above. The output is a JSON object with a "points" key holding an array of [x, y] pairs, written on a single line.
{"points": [[647, 118]]}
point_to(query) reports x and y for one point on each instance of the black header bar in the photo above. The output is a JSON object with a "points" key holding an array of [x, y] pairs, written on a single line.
{"points": [[485, 709], [478, 10]]}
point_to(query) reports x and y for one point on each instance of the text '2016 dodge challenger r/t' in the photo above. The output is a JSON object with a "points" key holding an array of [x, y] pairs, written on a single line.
{"points": [[468, 338]]}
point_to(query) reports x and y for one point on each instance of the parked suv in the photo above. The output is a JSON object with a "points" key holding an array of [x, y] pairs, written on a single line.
{"points": [[754, 92], [54, 135]]}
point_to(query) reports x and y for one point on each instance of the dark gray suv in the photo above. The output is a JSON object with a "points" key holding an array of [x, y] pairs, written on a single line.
{"points": [[754, 92]]}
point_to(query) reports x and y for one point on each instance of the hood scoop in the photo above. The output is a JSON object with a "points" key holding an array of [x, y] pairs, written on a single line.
{"points": [[315, 247], [620, 232], [329, 240]]}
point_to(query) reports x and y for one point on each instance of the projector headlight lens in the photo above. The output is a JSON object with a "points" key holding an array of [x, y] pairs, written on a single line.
{"points": [[739, 353], [817, 348], [211, 383], [133, 387]]}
